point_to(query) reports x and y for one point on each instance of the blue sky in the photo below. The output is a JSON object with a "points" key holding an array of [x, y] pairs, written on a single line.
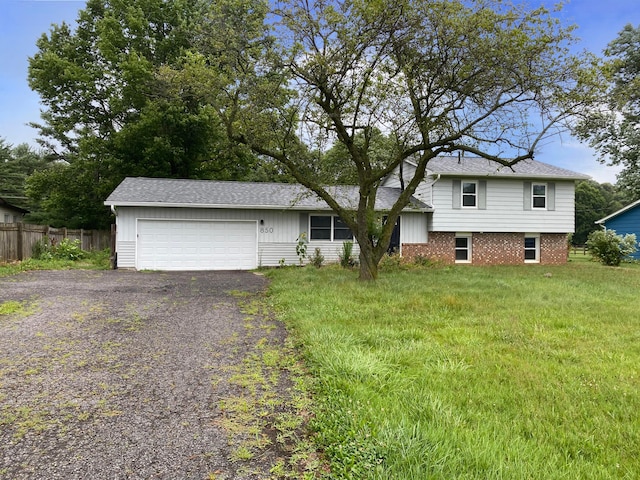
{"points": [[22, 22]]}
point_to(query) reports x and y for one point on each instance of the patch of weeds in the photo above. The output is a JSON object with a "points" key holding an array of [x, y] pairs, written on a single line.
{"points": [[242, 453], [239, 293], [22, 309], [258, 415]]}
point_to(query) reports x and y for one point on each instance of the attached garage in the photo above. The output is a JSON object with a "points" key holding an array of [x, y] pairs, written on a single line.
{"points": [[174, 224], [196, 245]]}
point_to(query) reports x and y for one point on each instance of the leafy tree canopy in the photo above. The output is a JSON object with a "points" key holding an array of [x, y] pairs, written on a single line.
{"points": [[16, 164], [613, 128], [593, 202], [113, 107], [477, 77]]}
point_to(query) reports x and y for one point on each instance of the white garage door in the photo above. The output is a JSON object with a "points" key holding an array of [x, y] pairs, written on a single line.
{"points": [[196, 245]]}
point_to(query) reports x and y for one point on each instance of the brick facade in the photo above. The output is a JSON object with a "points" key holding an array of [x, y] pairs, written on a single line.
{"points": [[490, 248], [554, 249]]}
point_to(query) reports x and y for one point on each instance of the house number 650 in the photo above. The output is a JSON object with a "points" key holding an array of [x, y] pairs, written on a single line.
{"points": [[266, 229]]}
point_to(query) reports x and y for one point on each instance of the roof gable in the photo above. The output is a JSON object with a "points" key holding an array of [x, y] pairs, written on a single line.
{"points": [[246, 195], [619, 212], [6, 205], [481, 167]]}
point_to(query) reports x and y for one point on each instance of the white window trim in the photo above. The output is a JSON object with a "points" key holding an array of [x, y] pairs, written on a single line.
{"points": [[546, 196], [537, 249], [332, 229], [475, 195], [469, 248]]}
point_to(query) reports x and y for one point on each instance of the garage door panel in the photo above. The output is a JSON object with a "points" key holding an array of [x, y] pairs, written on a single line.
{"points": [[193, 245]]}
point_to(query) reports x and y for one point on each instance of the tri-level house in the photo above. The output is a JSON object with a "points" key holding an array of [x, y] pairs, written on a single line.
{"points": [[467, 210]]}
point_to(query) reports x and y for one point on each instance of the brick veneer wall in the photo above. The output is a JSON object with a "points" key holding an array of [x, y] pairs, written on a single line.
{"points": [[554, 249], [490, 248]]}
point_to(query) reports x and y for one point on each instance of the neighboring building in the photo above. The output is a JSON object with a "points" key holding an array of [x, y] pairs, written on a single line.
{"points": [[485, 213], [624, 221], [467, 210], [10, 213]]}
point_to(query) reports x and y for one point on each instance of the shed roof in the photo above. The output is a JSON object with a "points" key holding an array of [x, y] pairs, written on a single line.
{"points": [[164, 192], [619, 212], [476, 166], [8, 206]]}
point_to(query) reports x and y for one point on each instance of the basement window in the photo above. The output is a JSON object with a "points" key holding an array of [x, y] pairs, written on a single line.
{"points": [[531, 248], [463, 248]]}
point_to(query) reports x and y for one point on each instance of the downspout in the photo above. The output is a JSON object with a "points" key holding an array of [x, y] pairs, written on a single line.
{"points": [[434, 182]]}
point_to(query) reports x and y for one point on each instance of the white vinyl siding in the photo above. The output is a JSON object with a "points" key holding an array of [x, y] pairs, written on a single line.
{"points": [[270, 254], [422, 193], [277, 233], [414, 228], [504, 210]]}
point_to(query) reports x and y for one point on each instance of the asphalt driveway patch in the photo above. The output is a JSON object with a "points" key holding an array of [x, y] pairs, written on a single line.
{"points": [[121, 375]]}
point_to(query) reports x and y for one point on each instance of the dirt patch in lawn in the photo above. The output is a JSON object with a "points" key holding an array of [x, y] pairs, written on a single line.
{"points": [[147, 375]]}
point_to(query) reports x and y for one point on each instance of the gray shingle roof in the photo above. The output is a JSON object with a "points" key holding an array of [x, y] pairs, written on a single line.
{"points": [[219, 194], [475, 166]]}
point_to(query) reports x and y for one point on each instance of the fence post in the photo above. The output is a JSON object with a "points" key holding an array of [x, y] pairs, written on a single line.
{"points": [[20, 241]]}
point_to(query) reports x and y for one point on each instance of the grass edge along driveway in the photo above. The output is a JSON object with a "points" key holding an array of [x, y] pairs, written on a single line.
{"points": [[472, 372]]}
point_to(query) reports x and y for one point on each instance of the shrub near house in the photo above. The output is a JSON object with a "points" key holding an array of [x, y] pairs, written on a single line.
{"points": [[610, 248]]}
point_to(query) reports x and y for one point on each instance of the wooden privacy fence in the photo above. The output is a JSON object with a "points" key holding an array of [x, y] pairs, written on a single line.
{"points": [[17, 239]]}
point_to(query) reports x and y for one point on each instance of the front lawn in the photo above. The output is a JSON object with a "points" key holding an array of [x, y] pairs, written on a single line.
{"points": [[472, 372]]}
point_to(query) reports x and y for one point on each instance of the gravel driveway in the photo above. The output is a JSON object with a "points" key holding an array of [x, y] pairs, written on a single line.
{"points": [[129, 375]]}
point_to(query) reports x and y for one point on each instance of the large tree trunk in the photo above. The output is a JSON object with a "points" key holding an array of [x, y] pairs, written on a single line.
{"points": [[368, 259]]}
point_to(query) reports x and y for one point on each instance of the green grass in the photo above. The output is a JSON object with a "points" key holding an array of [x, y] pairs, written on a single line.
{"points": [[472, 373], [98, 260]]}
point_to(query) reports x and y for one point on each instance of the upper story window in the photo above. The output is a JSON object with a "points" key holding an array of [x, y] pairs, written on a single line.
{"points": [[328, 227], [469, 194], [539, 195]]}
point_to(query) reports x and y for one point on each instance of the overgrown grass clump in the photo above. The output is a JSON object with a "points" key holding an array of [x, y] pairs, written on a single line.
{"points": [[96, 260], [472, 372]]}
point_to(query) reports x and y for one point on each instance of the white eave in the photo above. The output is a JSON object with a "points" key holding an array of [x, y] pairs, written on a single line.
{"points": [[615, 214]]}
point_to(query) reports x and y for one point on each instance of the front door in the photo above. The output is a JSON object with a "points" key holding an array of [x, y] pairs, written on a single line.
{"points": [[394, 245]]}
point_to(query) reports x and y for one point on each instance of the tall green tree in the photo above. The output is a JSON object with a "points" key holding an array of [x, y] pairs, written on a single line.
{"points": [[593, 202], [613, 128], [16, 165], [111, 110], [476, 77]]}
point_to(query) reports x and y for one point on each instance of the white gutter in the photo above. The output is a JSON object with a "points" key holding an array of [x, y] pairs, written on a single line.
{"points": [[229, 206]]}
